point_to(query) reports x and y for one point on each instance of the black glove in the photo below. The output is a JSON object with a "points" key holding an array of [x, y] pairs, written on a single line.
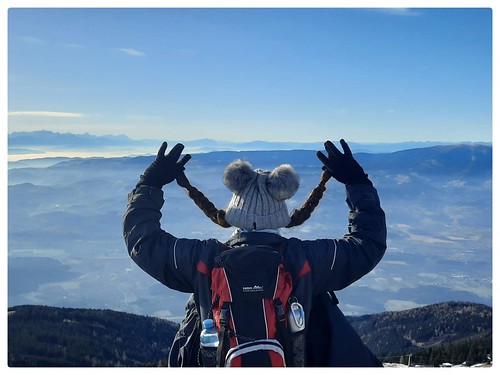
{"points": [[165, 168], [343, 167]]}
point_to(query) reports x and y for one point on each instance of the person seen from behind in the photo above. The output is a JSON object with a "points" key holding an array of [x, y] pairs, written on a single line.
{"points": [[257, 211]]}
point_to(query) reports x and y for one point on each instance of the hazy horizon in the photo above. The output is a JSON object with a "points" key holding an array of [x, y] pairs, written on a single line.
{"points": [[90, 145]]}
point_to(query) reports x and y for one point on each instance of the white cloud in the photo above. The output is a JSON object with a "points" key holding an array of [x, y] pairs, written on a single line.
{"points": [[132, 52], [455, 184], [45, 114], [73, 45], [402, 179], [31, 40], [399, 11]]}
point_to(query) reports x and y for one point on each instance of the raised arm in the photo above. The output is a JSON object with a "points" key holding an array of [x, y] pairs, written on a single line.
{"points": [[160, 254], [345, 260]]}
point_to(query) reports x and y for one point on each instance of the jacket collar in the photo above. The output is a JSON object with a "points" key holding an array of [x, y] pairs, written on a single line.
{"points": [[254, 238]]}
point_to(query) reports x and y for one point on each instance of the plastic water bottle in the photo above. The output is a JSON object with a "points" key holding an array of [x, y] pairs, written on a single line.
{"points": [[209, 336]]}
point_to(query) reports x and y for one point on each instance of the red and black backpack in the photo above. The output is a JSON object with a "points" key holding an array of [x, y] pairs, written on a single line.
{"points": [[251, 294]]}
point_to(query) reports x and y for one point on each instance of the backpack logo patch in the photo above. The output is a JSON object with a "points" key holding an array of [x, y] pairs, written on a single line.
{"points": [[253, 289]]}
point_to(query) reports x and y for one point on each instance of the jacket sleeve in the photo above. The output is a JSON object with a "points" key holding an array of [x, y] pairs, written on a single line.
{"points": [[337, 263], [170, 260]]}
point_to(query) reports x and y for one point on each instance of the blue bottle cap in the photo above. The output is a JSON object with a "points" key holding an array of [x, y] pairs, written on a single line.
{"points": [[208, 323]]}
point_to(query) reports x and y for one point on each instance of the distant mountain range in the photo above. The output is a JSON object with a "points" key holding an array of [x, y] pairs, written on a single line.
{"points": [[65, 227], [462, 160], [41, 336], [44, 141]]}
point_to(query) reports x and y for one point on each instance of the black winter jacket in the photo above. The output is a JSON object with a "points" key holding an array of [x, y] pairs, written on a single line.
{"points": [[316, 266]]}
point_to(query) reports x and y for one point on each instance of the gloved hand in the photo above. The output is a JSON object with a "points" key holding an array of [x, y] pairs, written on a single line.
{"points": [[343, 167], [165, 168]]}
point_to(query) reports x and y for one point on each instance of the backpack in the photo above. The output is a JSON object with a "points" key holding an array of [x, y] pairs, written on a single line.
{"points": [[251, 298]]}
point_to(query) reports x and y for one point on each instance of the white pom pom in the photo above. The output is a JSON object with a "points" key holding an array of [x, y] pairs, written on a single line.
{"points": [[237, 175], [283, 182]]}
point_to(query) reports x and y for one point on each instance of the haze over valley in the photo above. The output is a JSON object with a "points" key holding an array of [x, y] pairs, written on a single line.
{"points": [[65, 246]]}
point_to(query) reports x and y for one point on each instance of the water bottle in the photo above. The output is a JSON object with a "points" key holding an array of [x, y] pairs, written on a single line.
{"points": [[209, 336]]}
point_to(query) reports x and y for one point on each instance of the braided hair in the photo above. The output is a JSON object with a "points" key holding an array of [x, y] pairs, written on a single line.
{"points": [[303, 213], [218, 216], [208, 208]]}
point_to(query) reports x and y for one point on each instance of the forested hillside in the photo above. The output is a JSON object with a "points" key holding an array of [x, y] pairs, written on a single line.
{"points": [[39, 336], [453, 332], [49, 336]]}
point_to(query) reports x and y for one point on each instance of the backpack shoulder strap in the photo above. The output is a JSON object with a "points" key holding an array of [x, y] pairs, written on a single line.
{"points": [[223, 334]]}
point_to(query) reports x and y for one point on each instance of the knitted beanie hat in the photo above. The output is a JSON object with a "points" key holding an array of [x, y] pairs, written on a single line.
{"points": [[258, 200]]}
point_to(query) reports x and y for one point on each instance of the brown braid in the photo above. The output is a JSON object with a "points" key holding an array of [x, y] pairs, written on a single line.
{"points": [[219, 216], [208, 208], [304, 212]]}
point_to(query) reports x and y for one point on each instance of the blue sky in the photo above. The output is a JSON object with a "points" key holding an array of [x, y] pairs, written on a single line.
{"points": [[284, 74]]}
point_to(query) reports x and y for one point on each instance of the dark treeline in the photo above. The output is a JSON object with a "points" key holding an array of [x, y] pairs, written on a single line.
{"points": [[41, 336], [454, 332], [46, 336]]}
